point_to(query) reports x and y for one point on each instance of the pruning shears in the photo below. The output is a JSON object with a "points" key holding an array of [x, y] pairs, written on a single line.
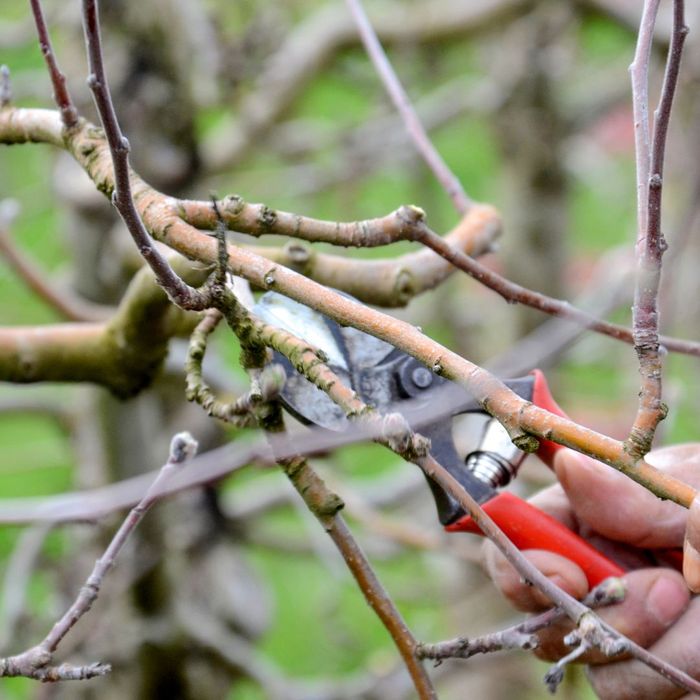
{"points": [[387, 379]]}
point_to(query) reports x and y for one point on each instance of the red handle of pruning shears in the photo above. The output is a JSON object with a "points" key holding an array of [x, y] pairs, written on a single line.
{"points": [[542, 397], [528, 527]]}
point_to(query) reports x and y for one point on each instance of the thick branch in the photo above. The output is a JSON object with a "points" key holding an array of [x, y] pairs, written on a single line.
{"points": [[162, 218], [390, 282], [123, 354]]}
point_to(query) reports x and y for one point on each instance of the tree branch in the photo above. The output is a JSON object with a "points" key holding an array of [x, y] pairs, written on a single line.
{"points": [[521, 418], [123, 354], [69, 306], [36, 662], [651, 243], [181, 293], [61, 96], [449, 181]]}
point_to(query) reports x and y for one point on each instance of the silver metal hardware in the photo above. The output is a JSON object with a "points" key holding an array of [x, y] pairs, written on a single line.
{"points": [[497, 460]]}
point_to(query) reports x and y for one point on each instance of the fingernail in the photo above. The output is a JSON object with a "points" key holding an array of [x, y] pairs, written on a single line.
{"points": [[666, 599], [691, 566]]}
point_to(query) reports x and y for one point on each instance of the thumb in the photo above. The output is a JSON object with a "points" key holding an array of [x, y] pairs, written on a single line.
{"points": [[617, 507]]}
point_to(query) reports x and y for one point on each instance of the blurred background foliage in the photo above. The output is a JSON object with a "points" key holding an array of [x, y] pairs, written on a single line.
{"points": [[529, 104]]}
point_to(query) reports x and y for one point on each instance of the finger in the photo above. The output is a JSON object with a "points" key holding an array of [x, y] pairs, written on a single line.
{"points": [[620, 509], [626, 680], [561, 571], [691, 547], [655, 599]]}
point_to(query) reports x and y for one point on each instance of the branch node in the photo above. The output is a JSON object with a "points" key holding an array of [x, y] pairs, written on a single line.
{"points": [[526, 443]]}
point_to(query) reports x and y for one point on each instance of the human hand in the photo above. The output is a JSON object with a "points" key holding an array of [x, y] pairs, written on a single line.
{"points": [[627, 523]]}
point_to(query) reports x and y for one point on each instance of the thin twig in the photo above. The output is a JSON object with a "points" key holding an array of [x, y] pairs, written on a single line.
{"points": [[36, 662], [555, 675], [182, 448], [639, 72], [466, 647], [325, 505], [61, 96], [651, 243], [521, 635], [239, 412], [418, 134], [181, 293]]}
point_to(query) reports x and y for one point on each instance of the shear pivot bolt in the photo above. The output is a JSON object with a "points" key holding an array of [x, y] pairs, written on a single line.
{"points": [[422, 377]]}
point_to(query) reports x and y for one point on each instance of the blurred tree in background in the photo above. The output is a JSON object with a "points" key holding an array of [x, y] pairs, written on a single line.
{"points": [[232, 590]]}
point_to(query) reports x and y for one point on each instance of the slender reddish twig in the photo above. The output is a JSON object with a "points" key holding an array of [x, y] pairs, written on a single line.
{"points": [[61, 96], [182, 294], [651, 243], [516, 293], [424, 145]]}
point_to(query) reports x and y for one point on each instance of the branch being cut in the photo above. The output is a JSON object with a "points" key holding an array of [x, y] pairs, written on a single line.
{"points": [[522, 419]]}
